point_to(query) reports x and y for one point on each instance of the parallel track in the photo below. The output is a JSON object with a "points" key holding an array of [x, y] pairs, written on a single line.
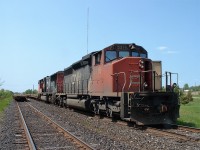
{"points": [[69, 137], [29, 139]]}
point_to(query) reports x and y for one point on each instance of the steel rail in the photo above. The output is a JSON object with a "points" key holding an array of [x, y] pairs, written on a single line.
{"points": [[28, 135], [80, 144], [172, 134], [186, 128]]}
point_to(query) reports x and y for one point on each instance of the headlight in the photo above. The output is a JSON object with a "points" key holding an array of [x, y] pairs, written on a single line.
{"points": [[141, 64], [145, 85]]}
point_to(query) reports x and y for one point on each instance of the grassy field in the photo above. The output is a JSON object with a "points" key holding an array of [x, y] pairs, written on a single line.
{"points": [[190, 113]]}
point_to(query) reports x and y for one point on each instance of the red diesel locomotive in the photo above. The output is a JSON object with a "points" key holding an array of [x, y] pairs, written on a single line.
{"points": [[118, 80]]}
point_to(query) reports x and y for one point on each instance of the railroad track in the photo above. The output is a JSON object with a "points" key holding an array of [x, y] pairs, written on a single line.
{"points": [[44, 133]]}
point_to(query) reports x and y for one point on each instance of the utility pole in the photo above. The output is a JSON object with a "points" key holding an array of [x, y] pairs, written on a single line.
{"points": [[33, 89]]}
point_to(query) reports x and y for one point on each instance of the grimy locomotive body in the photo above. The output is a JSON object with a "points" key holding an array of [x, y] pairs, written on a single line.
{"points": [[118, 80]]}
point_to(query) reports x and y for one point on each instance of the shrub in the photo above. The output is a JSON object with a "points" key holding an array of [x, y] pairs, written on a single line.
{"points": [[5, 93], [186, 98]]}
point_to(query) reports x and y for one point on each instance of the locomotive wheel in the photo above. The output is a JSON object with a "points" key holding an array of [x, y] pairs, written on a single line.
{"points": [[57, 101], [61, 102], [109, 112], [54, 99], [65, 105], [95, 109]]}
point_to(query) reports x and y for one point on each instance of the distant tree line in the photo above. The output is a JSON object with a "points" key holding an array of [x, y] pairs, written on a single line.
{"points": [[192, 88], [30, 91]]}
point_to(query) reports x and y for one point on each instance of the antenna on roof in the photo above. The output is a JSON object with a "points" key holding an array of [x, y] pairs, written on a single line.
{"points": [[88, 11]]}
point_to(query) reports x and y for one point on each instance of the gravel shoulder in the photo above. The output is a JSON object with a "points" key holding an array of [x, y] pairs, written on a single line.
{"points": [[8, 128]]}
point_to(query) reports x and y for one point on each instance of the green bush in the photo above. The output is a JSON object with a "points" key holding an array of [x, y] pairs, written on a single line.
{"points": [[30, 91], [5, 94], [186, 98], [5, 99]]}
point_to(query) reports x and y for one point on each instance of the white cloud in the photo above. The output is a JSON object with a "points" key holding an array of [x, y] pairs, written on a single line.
{"points": [[165, 50], [172, 52], [162, 48]]}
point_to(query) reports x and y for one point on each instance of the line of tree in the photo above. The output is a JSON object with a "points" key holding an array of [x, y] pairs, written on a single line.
{"points": [[192, 88], [30, 91]]}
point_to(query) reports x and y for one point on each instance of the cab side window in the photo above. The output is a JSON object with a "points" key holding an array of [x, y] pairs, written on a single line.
{"points": [[111, 55], [98, 59]]}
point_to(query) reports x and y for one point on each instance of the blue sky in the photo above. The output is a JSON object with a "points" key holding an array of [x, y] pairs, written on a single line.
{"points": [[40, 37]]}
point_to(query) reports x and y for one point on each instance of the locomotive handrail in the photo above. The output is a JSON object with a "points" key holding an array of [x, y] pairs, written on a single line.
{"points": [[145, 71], [124, 78]]}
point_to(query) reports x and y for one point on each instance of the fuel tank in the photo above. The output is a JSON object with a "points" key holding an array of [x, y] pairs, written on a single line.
{"points": [[83, 104]]}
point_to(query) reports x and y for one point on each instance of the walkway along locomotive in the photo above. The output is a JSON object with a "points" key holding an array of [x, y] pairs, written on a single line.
{"points": [[118, 80]]}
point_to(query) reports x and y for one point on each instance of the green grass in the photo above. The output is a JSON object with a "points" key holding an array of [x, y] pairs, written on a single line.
{"points": [[190, 113], [4, 102]]}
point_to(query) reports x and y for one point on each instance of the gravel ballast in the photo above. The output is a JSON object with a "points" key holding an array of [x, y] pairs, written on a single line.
{"points": [[100, 133]]}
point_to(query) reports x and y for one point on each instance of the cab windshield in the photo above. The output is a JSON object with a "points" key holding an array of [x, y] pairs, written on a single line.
{"points": [[135, 54], [112, 54], [123, 54], [143, 55]]}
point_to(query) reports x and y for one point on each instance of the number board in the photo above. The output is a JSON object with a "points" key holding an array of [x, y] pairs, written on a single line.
{"points": [[118, 47]]}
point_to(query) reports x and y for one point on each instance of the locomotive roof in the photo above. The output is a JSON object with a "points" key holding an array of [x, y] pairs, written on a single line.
{"points": [[118, 46], [88, 55], [82, 62], [57, 73]]}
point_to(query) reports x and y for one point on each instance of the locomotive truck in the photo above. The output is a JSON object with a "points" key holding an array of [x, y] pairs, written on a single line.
{"points": [[118, 80]]}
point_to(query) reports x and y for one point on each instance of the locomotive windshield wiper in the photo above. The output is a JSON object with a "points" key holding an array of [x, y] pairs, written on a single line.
{"points": [[108, 58], [112, 59]]}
